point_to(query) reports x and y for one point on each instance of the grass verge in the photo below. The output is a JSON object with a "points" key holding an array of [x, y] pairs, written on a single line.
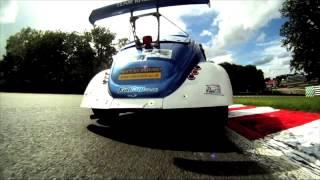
{"points": [[300, 103]]}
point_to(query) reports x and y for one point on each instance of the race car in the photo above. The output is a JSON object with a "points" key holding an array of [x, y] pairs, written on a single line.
{"points": [[166, 74]]}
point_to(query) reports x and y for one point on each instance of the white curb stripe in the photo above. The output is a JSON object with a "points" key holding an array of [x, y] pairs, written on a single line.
{"points": [[302, 142], [236, 105], [245, 112], [295, 151], [304, 138], [276, 157]]}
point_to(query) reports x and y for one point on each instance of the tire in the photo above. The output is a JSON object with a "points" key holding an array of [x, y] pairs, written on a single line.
{"points": [[106, 115], [223, 115], [216, 118]]}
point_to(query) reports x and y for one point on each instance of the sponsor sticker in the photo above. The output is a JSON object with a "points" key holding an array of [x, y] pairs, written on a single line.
{"points": [[141, 70], [140, 73], [138, 76], [144, 55], [138, 89], [213, 89], [131, 2], [158, 53]]}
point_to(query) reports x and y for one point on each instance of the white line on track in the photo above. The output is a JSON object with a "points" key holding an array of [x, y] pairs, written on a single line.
{"points": [[252, 111], [236, 106]]}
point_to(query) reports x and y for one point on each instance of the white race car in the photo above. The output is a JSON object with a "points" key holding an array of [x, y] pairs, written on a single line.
{"points": [[170, 73]]}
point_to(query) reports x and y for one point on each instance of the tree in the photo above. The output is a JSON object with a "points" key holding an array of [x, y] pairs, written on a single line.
{"points": [[15, 61], [301, 35], [102, 39], [246, 79], [122, 42], [280, 78]]}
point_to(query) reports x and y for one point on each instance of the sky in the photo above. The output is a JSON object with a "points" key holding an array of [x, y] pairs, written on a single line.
{"points": [[236, 31]]}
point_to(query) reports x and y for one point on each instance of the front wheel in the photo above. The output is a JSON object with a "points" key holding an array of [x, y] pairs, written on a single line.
{"points": [[223, 115], [216, 117], [106, 115]]}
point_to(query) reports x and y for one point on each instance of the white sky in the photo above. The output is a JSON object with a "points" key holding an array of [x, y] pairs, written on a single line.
{"points": [[237, 21]]}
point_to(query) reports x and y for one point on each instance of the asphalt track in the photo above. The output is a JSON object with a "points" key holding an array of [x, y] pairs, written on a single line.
{"points": [[45, 136]]}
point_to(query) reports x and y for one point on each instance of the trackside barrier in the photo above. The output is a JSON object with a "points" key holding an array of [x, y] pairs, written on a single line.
{"points": [[312, 91]]}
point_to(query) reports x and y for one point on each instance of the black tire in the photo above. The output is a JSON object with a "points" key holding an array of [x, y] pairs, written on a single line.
{"points": [[223, 115], [216, 118], [106, 115]]}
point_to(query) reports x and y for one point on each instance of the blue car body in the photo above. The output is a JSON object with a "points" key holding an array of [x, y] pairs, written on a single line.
{"points": [[173, 62]]}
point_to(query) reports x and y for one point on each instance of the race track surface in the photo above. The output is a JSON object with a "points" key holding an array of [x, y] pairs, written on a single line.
{"points": [[50, 136]]}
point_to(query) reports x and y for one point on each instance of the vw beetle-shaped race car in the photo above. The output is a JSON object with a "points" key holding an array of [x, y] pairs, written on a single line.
{"points": [[171, 73]]}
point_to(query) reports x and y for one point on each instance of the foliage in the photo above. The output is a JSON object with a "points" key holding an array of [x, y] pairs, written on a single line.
{"points": [[122, 42], [301, 103], [54, 61], [245, 79], [300, 32], [102, 39], [280, 78]]}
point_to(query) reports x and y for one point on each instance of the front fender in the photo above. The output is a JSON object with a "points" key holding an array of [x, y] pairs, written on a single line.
{"points": [[210, 88], [97, 94]]}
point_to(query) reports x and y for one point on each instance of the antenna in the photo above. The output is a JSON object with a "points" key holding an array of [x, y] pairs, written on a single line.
{"points": [[133, 26], [158, 19], [176, 25]]}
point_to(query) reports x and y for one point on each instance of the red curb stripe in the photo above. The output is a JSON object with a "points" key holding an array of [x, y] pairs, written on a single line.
{"points": [[241, 108], [260, 125]]}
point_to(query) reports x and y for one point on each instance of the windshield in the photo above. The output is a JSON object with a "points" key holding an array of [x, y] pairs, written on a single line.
{"points": [[132, 54], [147, 26]]}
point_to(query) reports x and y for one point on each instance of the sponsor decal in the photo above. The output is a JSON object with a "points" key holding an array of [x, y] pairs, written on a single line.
{"points": [[131, 2], [158, 53], [144, 55], [138, 89], [140, 73], [141, 70], [138, 76], [213, 89], [132, 95]]}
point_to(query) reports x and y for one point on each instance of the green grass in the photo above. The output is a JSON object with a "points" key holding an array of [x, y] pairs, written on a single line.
{"points": [[300, 103]]}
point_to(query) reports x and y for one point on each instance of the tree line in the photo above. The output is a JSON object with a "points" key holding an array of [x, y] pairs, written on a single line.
{"points": [[61, 62], [54, 61], [245, 79]]}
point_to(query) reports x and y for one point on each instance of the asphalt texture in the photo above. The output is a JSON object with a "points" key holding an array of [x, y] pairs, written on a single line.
{"points": [[47, 136]]}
